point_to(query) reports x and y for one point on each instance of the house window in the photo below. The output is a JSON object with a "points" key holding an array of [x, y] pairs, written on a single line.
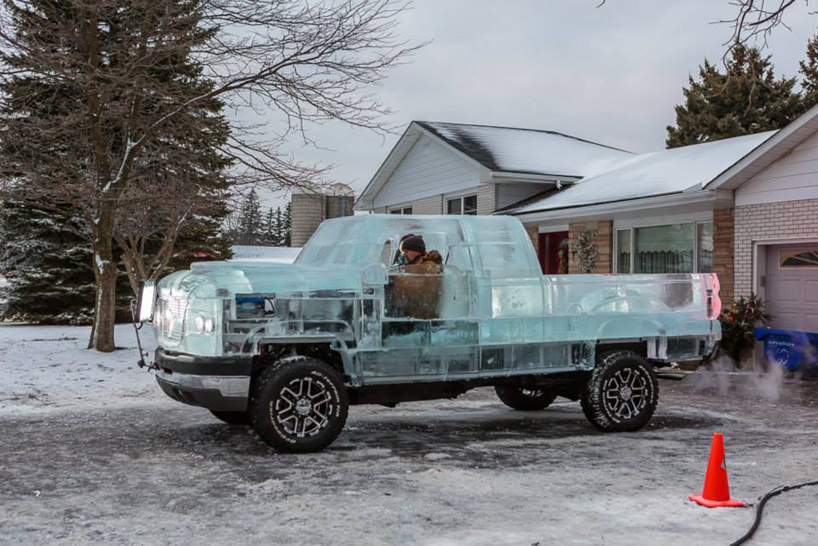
{"points": [[672, 248], [800, 258], [401, 210], [623, 250], [462, 205]]}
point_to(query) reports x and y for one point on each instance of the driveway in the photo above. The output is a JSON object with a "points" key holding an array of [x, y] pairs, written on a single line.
{"points": [[127, 466]]}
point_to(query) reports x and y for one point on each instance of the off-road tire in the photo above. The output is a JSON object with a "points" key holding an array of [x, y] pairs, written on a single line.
{"points": [[232, 417], [300, 405], [524, 399], [621, 394]]}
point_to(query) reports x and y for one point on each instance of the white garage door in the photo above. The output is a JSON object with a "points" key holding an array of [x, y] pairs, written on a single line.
{"points": [[792, 286]]}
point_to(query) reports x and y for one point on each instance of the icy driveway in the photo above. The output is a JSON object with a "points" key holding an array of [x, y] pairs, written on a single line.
{"points": [[91, 452]]}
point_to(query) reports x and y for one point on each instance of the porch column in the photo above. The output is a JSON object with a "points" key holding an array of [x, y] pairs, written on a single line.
{"points": [[723, 239], [601, 238]]}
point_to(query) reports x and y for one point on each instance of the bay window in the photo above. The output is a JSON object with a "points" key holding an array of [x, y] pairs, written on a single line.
{"points": [[671, 248]]}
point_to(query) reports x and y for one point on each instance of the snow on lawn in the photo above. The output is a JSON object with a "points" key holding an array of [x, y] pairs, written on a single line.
{"points": [[48, 367]]}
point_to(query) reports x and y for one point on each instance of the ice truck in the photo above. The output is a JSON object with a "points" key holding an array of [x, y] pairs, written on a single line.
{"points": [[287, 348]]}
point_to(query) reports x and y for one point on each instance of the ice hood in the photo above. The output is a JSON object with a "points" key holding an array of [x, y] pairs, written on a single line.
{"points": [[225, 279]]}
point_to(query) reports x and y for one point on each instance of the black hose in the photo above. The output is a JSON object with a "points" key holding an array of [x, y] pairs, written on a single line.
{"points": [[775, 492]]}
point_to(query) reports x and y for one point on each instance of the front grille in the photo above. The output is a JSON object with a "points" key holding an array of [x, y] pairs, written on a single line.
{"points": [[172, 329]]}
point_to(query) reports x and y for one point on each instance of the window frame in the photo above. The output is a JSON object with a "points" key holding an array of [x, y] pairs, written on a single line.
{"points": [[632, 235], [402, 210], [462, 200]]}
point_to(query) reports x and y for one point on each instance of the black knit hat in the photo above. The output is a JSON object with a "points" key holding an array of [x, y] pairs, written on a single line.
{"points": [[414, 243]]}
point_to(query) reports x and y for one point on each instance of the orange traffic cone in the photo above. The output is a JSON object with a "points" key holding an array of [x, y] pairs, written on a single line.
{"points": [[716, 489]]}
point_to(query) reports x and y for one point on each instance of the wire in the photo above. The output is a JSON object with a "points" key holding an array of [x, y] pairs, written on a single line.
{"points": [[775, 492]]}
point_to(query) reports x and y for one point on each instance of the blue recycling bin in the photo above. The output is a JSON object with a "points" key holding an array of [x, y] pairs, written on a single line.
{"points": [[791, 348]]}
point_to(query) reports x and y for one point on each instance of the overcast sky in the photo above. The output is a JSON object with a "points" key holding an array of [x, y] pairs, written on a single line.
{"points": [[611, 74]]}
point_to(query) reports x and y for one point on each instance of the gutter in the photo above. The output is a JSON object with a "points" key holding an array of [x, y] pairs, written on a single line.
{"points": [[719, 199]]}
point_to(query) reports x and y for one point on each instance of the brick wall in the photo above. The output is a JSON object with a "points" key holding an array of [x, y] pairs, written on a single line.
{"points": [[534, 235], [429, 205], [487, 198], [486, 202], [786, 220], [602, 240], [723, 241]]}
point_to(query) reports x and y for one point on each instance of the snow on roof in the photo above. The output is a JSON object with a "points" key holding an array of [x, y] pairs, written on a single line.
{"points": [[276, 254], [530, 151], [652, 174]]}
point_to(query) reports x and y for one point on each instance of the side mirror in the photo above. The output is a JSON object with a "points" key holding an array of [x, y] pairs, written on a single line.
{"points": [[147, 298]]}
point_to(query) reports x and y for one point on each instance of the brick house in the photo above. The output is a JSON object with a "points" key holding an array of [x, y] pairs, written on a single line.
{"points": [[745, 207]]}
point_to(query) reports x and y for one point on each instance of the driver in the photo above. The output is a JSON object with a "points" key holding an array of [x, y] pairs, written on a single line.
{"points": [[417, 283], [413, 252]]}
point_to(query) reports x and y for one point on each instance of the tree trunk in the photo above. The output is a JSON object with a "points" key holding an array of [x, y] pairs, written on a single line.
{"points": [[102, 332]]}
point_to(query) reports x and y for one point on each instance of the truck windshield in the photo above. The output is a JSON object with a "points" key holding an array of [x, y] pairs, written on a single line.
{"points": [[336, 244]]}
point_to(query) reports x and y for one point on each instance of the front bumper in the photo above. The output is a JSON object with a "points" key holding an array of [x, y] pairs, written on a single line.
{"points": [[219, 384]]}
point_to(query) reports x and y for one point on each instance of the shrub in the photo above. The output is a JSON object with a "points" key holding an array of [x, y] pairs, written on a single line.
{"points": [[738, 324]]}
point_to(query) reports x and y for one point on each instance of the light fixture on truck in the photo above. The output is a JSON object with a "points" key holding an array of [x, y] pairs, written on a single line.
{"points": [[147, 297]]}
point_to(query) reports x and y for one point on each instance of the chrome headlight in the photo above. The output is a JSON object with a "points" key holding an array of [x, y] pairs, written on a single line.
{"points": [[204, 324]]}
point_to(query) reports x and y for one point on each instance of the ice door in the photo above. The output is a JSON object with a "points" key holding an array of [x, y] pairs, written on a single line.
{"points": [[426, 329], [510, 293]]}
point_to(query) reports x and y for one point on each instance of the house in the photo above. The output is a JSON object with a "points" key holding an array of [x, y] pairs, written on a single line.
{"points": [[745, 208]]}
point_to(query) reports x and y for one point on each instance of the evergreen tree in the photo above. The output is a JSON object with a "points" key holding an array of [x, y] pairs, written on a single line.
{"points": [[46, 265], [188, 151], [250, 225], [270, 237], [279, 233], [809, 69], [746, 99], [45, 262], [288, 240]]}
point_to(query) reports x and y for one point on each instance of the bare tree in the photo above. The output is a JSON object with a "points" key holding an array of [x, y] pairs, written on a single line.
{"points": [[755, 20], [100, 75]]}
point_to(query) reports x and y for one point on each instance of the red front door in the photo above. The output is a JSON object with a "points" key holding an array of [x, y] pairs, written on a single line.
{"points": [[554, 253]]}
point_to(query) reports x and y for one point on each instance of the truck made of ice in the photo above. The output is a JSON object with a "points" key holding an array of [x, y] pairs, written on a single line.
{"points": [[287, 348]]}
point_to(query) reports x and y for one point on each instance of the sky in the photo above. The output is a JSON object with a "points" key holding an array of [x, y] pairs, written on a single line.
{"points": [[611, 74]]}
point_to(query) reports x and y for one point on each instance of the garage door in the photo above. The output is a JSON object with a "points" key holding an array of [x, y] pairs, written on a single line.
{"points": [[792, 286]]}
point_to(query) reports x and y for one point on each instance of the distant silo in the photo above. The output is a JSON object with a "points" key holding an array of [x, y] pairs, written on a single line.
{"points": [[313, 205]]}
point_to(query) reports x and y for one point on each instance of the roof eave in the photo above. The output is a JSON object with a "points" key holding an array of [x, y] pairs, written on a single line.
{"points": [[779, 144], [719, 199]]}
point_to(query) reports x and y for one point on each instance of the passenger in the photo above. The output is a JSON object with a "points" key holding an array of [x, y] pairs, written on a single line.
{"points": [[418, 282], [413, 252]]}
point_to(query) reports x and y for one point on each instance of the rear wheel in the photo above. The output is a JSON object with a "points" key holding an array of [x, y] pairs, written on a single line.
{"points": [[621, 394], [525, 399], [232, 417], [301, 405]]}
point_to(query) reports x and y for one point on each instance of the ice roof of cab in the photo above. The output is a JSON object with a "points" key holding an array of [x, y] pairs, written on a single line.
{"points": [[372, 226], [652, 174]]}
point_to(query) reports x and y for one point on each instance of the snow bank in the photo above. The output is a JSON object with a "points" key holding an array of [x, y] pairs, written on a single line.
{"points": [[48, 367]]}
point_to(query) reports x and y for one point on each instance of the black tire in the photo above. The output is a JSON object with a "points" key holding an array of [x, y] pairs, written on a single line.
{"points": [[292, 417], [232, 417], [621, 394], [525, 399]]}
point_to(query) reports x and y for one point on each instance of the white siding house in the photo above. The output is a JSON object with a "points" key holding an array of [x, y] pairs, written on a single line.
{"points": [[745, 208]]}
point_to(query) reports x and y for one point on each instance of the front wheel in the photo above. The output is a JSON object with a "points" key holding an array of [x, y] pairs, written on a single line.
{"points": [[621, 394], [524, 399], [301, 405]]}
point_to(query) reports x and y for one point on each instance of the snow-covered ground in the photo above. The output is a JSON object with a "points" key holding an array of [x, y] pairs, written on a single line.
{"points": [[48, 368], [93, 453]]}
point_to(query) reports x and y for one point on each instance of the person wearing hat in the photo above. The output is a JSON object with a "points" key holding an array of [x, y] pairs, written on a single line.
{"points": [[413, 251], [417, 281]]}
